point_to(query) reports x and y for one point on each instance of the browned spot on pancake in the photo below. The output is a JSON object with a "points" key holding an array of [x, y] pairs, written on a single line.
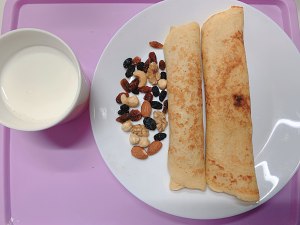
{"points": [[238, 35], [238, 100]]}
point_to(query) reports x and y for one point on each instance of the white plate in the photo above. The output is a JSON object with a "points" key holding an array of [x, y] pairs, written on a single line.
{"points": [[274, 70]]}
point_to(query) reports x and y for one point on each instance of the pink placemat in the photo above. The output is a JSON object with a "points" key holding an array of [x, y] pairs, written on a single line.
{"points": [[57, 176]]}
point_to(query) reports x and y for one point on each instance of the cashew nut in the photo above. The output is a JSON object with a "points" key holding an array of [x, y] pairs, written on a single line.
{"points": [[162, 84], [131, 101], [142, 77], [126, 126], [144, 142], [134, 139]]}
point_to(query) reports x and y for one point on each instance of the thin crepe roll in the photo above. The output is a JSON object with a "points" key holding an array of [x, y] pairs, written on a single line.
{"points": [[186, 147], [229, 151]]}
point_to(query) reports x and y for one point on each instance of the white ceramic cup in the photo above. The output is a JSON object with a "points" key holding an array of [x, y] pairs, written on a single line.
{"points": [[41, 81]]}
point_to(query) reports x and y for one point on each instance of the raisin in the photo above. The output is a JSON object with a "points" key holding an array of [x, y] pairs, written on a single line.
{"points": [[146, 65], [152, 57], [118, 98], [124, 108], [162, 65], [140, 66], [165, 108], [163, 75], [155, 91], [127, 62], [148, 97], [125, 85], [136, 60], [134, 84], [129, 71], [156, 105], [135, 115], [123, 118], [145, 89], [149, 123], [160, 136], [121, 112], [162, 95], [135, 91]]}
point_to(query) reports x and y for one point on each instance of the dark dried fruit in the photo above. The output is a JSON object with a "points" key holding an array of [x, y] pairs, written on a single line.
{"points": [[135, 115], [162, 65], [145, 89], [135, 91], [134, 84], [160, 136], [163, 75], [124, 108], [123, 118], [136, 60], [146, 65], [149, 123], [162, 95], [140, 66], [156, 44], [118, 98], [152, 57], [165, 107], [156, 105], [125, 85], [148, 97], [127, 62], [121, 112], [129, 71], [155, 91]]}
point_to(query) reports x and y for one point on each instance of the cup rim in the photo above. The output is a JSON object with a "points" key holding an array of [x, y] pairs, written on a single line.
{"points": [[76, 63]]}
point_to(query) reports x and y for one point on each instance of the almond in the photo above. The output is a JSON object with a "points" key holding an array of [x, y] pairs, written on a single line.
{"points": [[139, 152], [154, 147], [146, 109]]}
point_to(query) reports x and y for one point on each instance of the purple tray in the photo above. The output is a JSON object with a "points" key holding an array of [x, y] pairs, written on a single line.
{"points": [[57, 176]]}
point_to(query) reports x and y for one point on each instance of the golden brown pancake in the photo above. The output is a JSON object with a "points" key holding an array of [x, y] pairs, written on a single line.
{"points": [[229, 151], [186, 154]]}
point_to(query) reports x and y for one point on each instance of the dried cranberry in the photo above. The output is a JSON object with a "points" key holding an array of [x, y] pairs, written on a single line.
{"points": [[149, 123], [165, 108], [123, 118], [135, 115], [134, 84], [146, 65], [125, 85], [152, 57], [145, 89], [162, 65], [136, 60], [148, 97], [118, 98]]}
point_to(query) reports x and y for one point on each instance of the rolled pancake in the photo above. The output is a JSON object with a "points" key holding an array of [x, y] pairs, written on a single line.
{"points": [[186, 155], [229, 152]]}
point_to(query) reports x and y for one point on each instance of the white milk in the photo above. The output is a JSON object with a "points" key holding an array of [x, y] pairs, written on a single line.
{"points": [[38, 83]]}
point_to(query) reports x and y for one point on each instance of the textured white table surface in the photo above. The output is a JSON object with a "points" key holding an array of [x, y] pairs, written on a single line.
{"points": [[2, 2]]}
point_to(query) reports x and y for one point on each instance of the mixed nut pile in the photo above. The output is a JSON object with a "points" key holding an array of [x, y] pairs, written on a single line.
{"points": [[148, 78]]}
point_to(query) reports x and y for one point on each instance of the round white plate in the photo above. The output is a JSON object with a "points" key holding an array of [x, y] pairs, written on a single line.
{"points": [[274, 73]]}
